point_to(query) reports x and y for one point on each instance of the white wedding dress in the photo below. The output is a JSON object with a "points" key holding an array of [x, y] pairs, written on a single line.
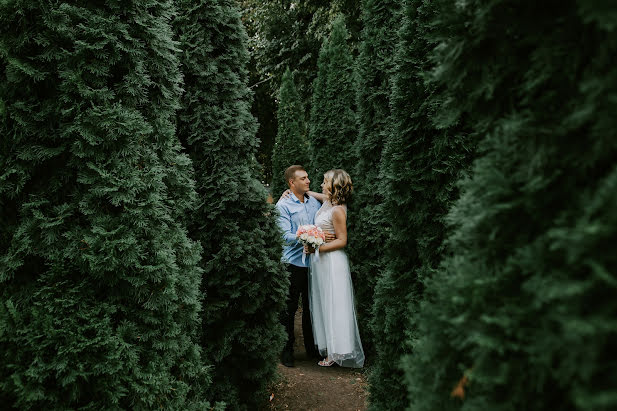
{"points": [[331, 299]]}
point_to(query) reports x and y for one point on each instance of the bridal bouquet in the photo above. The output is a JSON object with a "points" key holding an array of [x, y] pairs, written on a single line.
{"points": [[312, 236]]}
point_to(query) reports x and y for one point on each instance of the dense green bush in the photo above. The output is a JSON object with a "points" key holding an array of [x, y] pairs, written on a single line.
{"points": [[524, 306], [244, 281], [333, 129], [291, 145], [421, 162], [374, 68], [98, 279]]}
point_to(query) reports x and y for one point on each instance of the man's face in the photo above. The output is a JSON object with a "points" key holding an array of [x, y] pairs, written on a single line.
{"points": [[301, 182]]}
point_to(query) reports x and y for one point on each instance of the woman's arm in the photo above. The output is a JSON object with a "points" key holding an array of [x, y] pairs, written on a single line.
{"points": [[339, 220], [318, 196]]}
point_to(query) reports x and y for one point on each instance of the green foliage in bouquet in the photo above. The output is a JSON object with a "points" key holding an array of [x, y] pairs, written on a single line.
{"points": [[291, 145], [99, 281], [333, 128], [522, 314], [421, 162], [244, 282], [368, 228]]}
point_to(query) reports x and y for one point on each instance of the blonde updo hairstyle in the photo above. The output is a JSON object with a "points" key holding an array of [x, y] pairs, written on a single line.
{"points": [[340, 186]]}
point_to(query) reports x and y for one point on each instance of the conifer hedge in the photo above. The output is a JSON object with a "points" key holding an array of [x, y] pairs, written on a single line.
{"points": [[333, 127], [98, 279], [291, 145], [244, 282], [374, 68], [421, 162], [522, 311]]}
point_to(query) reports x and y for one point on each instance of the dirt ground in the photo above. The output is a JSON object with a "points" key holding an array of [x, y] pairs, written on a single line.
{"points": [[308, 386]]}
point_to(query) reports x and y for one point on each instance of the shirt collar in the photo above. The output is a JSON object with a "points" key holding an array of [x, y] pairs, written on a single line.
{"points": [[297, 200]]}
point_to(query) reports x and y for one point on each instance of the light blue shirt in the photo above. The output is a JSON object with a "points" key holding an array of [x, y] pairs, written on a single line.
{"points": [[293, 214]]}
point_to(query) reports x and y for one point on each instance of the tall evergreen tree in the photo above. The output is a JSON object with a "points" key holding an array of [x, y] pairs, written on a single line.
{"points": [[374, 67], [287, 34], [291, 146], [290, 34], [421, 164], [244, 281], [333, 129], [99, 280], [523, 313]]}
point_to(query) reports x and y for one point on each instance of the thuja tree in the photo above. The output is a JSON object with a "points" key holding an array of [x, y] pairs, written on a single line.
{"points": [[290, 34], [374, 67], [522, 314], [244, 282], [421, 164], [99, 280], [287, 34], [332, 128], [291, 145]]}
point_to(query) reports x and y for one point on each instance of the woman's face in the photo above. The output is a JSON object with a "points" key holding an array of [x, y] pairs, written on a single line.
{"points": [[325, 186]]}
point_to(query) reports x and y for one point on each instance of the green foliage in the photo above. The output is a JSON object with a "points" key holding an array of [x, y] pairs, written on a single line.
{"points": [[263, 108], [290, 34], [333, 128], [368, 227], [291, 146], [421, 163], [244, 281], [524, 304], [99, 281]]}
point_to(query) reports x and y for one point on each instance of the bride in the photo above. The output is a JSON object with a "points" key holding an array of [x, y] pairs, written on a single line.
{"points": [[331, 299]]}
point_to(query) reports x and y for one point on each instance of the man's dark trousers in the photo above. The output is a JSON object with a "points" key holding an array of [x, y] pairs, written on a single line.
{"points": [[298, 277]]}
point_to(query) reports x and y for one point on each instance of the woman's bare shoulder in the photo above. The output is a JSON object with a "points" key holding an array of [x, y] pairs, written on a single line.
{"points": [[340, 211]]}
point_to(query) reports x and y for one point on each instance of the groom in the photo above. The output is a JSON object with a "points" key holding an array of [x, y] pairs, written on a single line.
{"points": [[296, 210]]}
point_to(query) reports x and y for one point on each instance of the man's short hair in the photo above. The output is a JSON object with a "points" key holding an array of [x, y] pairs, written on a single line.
{"points": [[290, 173]]}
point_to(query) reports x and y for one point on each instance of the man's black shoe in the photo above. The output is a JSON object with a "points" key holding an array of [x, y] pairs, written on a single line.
{"points": [[287, 359]]}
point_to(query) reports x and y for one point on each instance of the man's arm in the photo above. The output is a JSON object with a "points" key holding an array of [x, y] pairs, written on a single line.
{"points": [[284, 222]]}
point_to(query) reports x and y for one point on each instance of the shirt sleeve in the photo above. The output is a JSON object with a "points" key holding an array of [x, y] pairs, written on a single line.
{"points": [[284, 222]]}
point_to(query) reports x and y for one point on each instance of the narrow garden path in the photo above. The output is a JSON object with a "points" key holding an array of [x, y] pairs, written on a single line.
{"points": [[308, 386]]}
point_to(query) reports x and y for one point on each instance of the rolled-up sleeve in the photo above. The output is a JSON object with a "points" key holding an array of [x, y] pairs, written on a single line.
{"points": [[284, 222]]}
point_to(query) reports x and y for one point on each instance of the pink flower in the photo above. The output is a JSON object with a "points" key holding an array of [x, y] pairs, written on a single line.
{"points": [[311, 235]]}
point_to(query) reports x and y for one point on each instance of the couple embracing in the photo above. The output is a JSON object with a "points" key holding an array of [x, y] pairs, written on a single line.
{"points": [[329, 322]]}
